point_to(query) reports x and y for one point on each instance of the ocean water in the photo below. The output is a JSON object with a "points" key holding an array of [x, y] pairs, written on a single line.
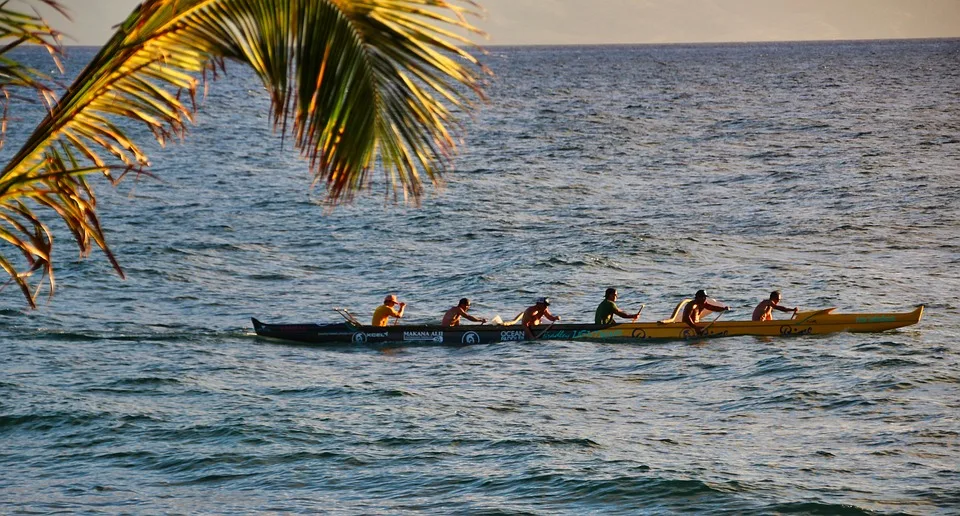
{"points": [[830, 171]]}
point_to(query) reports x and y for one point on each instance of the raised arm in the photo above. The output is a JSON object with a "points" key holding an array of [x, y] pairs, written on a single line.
{"points": [[715, 308], [472, 318], [626, 315], [785, 309]]}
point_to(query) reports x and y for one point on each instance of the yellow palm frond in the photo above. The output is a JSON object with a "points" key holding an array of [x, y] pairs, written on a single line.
{"points": [[17, 29], [358, 85]]}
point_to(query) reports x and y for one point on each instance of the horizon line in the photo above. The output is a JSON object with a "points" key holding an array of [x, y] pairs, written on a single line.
{"points": [[725, 42]]}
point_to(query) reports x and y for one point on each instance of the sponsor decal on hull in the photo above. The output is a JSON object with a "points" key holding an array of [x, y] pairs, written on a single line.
{"points": [[423, 336], [470, 337], [362, 338], [595, 334], [793, 330], [688, 333], [512, 335], [877, 318]]}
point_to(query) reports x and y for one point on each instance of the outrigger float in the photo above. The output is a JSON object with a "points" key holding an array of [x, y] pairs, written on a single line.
{"points": [[351, 331]]}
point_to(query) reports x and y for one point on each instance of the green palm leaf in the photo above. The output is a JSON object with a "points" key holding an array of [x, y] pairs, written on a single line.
{"points": [[16, 30], [359, 86]]}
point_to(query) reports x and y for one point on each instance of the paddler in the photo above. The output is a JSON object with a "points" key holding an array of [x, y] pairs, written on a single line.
{"points": [[532, 315], [608, 308], [453, 315], [385, 311], [764, 311], [695, 308]]}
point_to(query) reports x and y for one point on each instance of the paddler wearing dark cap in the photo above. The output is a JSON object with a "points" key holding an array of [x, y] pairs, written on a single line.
{"points": [[532, 315], [695, 308], [453, 315]]}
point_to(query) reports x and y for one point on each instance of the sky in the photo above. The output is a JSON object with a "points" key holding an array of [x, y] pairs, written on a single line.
{"points": [[565, 22]]}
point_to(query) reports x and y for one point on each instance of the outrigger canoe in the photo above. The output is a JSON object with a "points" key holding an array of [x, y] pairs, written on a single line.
{"points": [[818, 322]]}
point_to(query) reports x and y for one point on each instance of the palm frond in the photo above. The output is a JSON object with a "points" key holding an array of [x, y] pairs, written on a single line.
{"points": [[18, 28], [358, 85]]}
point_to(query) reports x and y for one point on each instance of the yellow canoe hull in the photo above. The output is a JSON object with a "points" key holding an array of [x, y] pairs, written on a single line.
{"points": [[819, 322]]}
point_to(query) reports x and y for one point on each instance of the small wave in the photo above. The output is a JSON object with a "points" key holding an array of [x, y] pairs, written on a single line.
{"points": [[654, 377], [667, 440], [776, 365], [312, 391], [42, 422], [598, 493], [817, 508], [847, 401], [66, 336], [944, 435], [216, 478], [557, 261], [566, 148], [401, 442], [886, 453], [127, 457], [771, 155], [893, 385], [811, 127], [941, 378], [178, 334], [143, 385], [145, 381], [544, 441], [270, 277], [396, 393], [892, 363]]}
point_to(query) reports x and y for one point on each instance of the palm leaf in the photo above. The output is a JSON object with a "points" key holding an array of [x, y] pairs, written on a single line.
{"points": [[16, 30], [359, 86]]}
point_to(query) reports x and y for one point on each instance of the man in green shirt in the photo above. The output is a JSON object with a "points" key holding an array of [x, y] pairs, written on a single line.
{"points": [[608, 308]]}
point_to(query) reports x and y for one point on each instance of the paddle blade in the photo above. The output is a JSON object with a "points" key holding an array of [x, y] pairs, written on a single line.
{"points": [[497, 321]]}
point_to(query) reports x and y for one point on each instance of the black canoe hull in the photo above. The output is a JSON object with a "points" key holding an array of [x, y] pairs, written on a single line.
{"points": [[347, 333]]}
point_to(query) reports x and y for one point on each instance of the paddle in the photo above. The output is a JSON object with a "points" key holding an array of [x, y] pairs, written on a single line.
{"points": [[707, 327], [537, 336], [396, 320]]}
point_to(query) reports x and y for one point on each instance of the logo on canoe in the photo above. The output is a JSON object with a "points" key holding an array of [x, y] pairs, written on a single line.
{"points": [[793, 330], [430, 336], [509, 335], [359, 338], [877, 318], [470, 337]]}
